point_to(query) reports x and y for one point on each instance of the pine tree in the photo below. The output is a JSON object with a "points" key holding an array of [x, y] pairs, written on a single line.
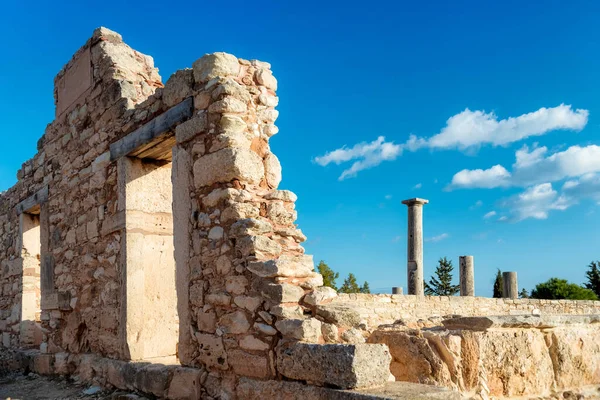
{"points": [[524, 294], [498, 285], [365, 288], [593, 276], [329, 276], [350, 285], [442, 285]]}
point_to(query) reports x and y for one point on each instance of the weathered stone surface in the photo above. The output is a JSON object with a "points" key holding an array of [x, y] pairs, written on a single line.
{"points": [[246, 364], [320, 295], [282, 293], [235, 323], [341, 366], [178, 87], [260, 246], [211, 351], [185, 384], [191, 128], [213, 65], [339, 315], [228, 164], [286, 266], [519, 321], [265, 77], [250, 226], [305, 330], [272, 170]]}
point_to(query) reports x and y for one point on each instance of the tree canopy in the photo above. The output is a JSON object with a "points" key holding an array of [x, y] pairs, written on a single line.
{"points": [[556, 289], [329, 276], [442, 285], [498, 285], [593, 277]]}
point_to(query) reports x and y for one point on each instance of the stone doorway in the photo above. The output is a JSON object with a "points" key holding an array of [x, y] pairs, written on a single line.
{"points": [[151, 320], [30, 257]]}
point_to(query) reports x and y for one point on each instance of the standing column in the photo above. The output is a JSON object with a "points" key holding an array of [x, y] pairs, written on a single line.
{"points": [[467, 276], [415, 245], [510, 286]]}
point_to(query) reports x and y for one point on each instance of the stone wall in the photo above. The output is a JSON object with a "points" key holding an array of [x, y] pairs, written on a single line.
{"points": [[374, 310]]}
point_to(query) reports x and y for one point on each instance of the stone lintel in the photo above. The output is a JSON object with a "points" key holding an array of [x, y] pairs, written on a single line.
{"points": [[32, 202], [415, 201], [152, 130]]}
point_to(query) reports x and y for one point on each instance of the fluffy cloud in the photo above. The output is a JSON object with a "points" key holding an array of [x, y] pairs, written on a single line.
{"points": [[475, 128], [367, 155], [463, 131], [481, 178], [418, 186], [536, 201], [533, 167], [437, 238]]}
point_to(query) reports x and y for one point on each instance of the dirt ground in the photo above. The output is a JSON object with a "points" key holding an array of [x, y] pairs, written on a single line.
{"points": [[33, 387]]}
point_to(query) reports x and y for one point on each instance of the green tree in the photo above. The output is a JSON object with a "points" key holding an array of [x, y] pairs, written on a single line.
{"points": [[593, 277], [350, 285], [555, 289], [524, 294], [442, 285], [329, 276], [365, 288], [498, 285]]}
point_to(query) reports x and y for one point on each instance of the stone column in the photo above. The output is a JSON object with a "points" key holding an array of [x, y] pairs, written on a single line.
{"points": [[415, 245], [467, 276], [397, 290], [510, 286]]}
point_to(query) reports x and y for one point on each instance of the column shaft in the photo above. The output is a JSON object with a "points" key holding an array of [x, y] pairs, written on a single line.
{"points": [[467, 276], [510, 285]]}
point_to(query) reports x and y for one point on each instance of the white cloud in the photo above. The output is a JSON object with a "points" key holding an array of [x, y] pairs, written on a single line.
{"points": [[475, 128], [587, 186], [396, 239], [437, 238], [533, 167], [368, 155], [503, 218], [477, 204], [388, 196], [481, 178], [464, 131], [536, 201], [418, 186], [489, 215]]}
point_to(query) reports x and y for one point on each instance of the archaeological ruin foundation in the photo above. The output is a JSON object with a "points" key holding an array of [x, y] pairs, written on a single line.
{"points": [[147, 247]]}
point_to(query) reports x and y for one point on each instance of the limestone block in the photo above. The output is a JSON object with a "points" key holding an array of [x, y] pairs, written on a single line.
{"points": [[152, 378], [229, 139], [232, 123], [210, 66], [191, 128], [253, 344], [185, 384], [236, 284], [239, 211], [211, 351], [228, 104], [333, 365], [250, 226], [287, 312], [353, 336], [285, 266], [272, 170], [277, 213], [283, 195], [206, 321], [248, 302], [282, 293], [246, 364], [339, 315], [330, 333], [320, 295], [228, 164], [178, 87], [265, 77], [260, 246], [234, 323], [305, 330]]}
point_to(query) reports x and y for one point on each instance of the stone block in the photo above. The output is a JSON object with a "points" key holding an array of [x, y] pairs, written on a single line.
{"points": [[282, 292], [335, 365], [212, 352], [191, 128], [178, 87], [320, 295], [228, 164], [247, 364], [213, 65], [305, 330], [285, 266], [185, 384]]}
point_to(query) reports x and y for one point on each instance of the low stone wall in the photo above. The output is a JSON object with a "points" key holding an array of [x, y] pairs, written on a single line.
{"points": [[375, 310], [503, 357]]}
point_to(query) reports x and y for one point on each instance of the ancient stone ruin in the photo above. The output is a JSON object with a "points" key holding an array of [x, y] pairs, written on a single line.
{"points": [[147, 247]]}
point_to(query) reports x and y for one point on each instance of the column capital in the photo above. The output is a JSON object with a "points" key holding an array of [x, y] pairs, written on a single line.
{"points": [[415, 201]]}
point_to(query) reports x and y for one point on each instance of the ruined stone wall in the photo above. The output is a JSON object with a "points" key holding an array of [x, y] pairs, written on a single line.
{"points": [[377, 309]]}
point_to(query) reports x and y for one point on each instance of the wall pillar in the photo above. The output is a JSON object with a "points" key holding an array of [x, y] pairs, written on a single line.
{"points": [[415, 245], [511, 288], [467, 276]]}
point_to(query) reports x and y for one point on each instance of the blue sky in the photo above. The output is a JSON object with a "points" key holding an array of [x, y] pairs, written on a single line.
{"points": [[350, 73]]}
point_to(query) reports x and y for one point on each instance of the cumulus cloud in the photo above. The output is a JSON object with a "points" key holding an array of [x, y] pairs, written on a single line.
{"points": [[532, 167], [536, 201], [475, 128], [464, 131], [489, 215], [418, 186], [481, 178], [437, 238], [367, 155]]}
